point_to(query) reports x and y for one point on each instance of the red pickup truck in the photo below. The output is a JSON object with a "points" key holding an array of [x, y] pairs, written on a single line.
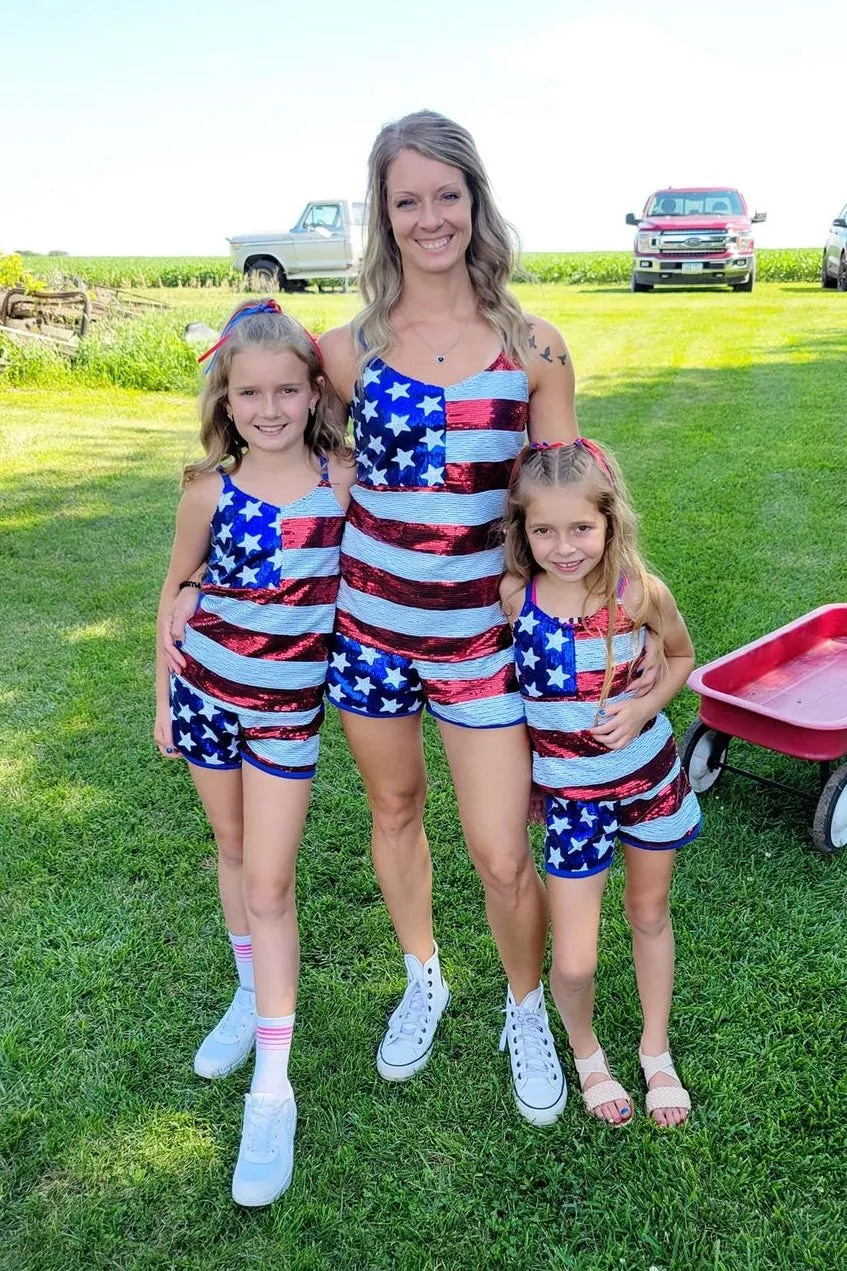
{"points": [[701, 237]]}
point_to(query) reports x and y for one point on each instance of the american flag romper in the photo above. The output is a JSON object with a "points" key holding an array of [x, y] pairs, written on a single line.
{"points": [[256, 649], [639, 793], [419, 617]]}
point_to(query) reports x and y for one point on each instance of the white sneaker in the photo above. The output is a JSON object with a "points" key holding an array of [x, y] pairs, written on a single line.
{"points": [[405, 1048], [537, 1078], [266, 1156], [231, 1040]]}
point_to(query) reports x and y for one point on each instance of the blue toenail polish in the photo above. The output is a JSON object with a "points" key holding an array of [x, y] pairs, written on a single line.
{"points": [[169, 750], [624, 1112]]}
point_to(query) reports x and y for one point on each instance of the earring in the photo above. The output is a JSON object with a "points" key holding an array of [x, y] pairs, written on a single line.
{"points": [[228, 413]]}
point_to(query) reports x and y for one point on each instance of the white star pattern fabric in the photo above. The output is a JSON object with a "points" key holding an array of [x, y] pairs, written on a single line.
{"points": [[377, 684], [544, 655], [410, 440], [210, 736], [257, 529], [571, 852]]}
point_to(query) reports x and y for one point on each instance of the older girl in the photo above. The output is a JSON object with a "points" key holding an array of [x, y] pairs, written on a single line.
{"points": [[265, 509]]}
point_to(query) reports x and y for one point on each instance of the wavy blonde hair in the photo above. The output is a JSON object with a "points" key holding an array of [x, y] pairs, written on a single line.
{"points": [[280, 333], [590, 467], [490, 255]]}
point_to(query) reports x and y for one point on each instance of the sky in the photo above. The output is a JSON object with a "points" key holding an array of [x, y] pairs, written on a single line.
{"points": [[164, 127]]}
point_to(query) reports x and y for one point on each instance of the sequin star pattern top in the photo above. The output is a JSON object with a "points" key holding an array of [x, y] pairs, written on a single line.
{"points": [[259, 638], [422, 553], [560, 668]]}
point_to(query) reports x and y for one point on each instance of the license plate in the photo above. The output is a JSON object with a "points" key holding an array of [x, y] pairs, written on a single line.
{"points": [[692, 266]]}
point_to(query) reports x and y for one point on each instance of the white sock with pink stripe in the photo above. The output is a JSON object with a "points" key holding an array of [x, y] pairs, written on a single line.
{"points": [[242, 947], [273, 1046]]}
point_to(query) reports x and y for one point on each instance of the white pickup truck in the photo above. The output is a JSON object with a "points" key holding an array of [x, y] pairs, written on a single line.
{"points": [[325, 243]]}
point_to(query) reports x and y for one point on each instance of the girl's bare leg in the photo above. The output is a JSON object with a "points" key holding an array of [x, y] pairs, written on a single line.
{"points": [[575, 909], [221, 796], [274, 816], [648, 881]]}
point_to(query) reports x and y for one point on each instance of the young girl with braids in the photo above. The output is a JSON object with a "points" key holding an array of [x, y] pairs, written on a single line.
{"points": [[265, 511], [580, 602]]}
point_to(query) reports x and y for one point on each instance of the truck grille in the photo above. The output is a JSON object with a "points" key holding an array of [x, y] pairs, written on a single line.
{"points": [[680, 243]]}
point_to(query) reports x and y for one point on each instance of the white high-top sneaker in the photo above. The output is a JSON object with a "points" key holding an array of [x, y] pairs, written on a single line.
{"points": [[231, 1040], [537, 1078], [406, 1046]]}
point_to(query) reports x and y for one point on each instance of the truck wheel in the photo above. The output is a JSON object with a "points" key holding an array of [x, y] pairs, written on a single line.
{"points": [[702, 754], [264, 274], [635, 285], [748, 284], [826, 281], [829, 832], [841, 280]]}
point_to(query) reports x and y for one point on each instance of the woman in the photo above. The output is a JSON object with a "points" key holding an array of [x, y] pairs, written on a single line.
{"points": [[443, 373]]}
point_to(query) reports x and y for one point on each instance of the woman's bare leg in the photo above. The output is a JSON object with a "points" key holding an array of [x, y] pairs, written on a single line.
{"points": [[389, 756], [491, 774]]}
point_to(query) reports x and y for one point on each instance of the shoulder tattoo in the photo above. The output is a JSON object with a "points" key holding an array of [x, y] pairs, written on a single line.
{"points": [[545, 353]]}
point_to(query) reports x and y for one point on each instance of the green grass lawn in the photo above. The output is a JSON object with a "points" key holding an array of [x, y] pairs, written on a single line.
{"points": [[727, 413]]}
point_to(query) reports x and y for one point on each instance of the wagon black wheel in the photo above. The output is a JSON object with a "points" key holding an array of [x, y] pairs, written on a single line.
{"points": [[702, 754], [829, 831]]}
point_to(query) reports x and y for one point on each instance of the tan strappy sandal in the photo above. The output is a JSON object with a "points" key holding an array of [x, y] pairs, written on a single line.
{"points": [[663, 1096], [608, 1091]]}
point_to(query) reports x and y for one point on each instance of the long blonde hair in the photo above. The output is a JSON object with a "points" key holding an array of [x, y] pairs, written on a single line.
{"points": [[260, 324], [489, 257], [594, 470]]}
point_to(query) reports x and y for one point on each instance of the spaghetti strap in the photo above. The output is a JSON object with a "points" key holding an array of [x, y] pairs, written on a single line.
{"points": [[530, 591], [622, 585]]}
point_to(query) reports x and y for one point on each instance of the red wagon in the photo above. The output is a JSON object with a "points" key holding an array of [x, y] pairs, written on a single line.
{"points": [[787, 692]]}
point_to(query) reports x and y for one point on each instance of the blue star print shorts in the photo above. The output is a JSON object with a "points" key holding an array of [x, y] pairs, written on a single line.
{"points": [[211, 735], [580, 838]]}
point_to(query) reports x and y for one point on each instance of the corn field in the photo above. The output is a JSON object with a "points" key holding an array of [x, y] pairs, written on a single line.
{"points": [[574, 268]]}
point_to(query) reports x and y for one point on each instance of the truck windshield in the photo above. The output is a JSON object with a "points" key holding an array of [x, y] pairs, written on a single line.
{"points": [[695, 203]]}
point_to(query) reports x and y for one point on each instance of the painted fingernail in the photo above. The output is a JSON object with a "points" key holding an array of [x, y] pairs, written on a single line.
{"points": [[178, 644], [169, 750]]}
